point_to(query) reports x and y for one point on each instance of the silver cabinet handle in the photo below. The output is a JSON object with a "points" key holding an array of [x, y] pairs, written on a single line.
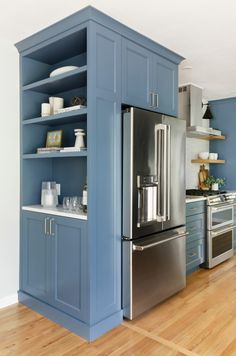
{"points": [[145, 247], [46, 226], [51, 231], [151, 99], [156, 102], [192, 254]]}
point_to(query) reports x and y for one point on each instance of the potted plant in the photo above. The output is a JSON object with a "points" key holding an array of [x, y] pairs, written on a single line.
{"points": [[214, 183]]}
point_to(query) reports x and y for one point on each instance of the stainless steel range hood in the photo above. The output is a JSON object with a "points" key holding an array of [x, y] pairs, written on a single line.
{"points": [[190, 109]]}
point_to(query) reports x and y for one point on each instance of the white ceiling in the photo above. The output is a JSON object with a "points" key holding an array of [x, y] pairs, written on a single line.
{"points": [[203, 31]]}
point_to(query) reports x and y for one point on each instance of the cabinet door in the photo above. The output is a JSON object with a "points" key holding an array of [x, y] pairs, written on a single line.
{"points": [[35, 256], [165, 85], [136, 65], [69, 257]]}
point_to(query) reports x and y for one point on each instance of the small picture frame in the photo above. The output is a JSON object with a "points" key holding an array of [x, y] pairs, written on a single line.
{"points": [[54, 138]]}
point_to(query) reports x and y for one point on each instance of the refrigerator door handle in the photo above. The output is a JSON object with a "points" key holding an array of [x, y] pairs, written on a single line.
{"points": [[162, 162], [145, 247]]}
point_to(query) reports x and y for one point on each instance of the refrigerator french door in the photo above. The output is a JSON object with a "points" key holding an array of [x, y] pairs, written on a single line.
{"points": [[153, 203]]}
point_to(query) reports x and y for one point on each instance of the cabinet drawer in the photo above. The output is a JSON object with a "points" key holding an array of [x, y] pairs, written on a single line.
{"points": [[195, 208], [195, 226], [195, 254]]}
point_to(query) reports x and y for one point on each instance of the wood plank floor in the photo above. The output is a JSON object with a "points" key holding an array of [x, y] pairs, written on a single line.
{"points": [[200, 320]]}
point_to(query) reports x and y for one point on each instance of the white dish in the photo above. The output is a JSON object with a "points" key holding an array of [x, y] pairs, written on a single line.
{"points": [[62, 70], [203, 155]]}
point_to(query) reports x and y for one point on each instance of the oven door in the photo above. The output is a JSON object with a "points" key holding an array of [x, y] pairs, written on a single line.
{"points": [[219, 245], [220, 216]]}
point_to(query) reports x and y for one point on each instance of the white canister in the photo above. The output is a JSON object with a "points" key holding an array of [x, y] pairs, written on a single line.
{"points": [[45, 109], [55, 104], [213, 156]]}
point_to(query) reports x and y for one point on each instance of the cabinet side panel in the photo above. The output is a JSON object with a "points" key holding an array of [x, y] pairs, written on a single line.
{"points": [[104, 172]]}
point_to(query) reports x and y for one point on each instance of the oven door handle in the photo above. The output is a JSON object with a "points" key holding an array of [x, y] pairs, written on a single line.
{"points": [[224, 207], [222, 231]]}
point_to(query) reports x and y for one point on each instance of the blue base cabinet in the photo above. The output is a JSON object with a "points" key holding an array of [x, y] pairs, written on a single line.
{"points": [[54, 263], [71, 269], [195, 243]]}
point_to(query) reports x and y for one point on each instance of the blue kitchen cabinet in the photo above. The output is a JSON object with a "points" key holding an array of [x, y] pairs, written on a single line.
{"points": [[149, 81], [54, 261], [69, 266], [35, 256], [196, 239], [165, 85], [136, 75], [71, 269]]}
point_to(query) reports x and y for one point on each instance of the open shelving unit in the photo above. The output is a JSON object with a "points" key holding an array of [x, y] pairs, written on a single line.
{"points": [[66, 168]]}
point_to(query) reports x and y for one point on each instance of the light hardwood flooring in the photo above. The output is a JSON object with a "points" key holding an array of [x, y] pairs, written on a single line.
{"points": [[200, 320]]}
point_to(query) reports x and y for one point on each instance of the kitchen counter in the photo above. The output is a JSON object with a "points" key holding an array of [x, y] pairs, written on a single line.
{"points": [[193, 198]]}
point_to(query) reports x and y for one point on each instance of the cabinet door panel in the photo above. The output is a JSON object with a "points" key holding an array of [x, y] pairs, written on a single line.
{"points": [[165, 84], [136, 62], [69, 271], [35, 257]]}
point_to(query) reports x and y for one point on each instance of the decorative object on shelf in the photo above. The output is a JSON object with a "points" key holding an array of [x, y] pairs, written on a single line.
{"points": [[79, 141], [54, 138], [203, 155], [78, 100], [56, 103], [48, 149], [49, 195], [62, 70], [213, 156], [70, 108], [202, 176], [85, 197], [45, 109], [214, 183]]}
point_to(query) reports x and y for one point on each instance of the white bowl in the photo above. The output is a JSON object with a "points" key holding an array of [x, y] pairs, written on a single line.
{"points": [[203, 155], [62, 70]]}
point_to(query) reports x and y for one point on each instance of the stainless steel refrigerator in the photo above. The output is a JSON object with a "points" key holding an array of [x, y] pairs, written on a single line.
{"points": [[154, 232]]}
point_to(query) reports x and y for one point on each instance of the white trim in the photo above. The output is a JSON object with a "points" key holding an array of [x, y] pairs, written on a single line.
{"points": [[11, 299]]}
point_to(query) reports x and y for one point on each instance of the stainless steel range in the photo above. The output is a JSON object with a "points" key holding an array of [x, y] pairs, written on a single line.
{"points": [[220, 225], [220, 228]]}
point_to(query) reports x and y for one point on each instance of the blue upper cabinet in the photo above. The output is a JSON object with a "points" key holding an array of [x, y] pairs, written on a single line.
{"points": [[148, 80], [164, 85], [136, 75]]}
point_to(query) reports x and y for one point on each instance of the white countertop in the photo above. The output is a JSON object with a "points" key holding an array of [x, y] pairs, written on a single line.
{"points": [[59, 211], [193, 198]]}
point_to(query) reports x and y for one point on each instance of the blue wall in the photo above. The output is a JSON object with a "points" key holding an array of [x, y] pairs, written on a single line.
{"points": [[224, 113]]}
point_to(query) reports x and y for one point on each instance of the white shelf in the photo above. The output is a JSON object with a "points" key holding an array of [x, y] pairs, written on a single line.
{"points": [[59, 211]]}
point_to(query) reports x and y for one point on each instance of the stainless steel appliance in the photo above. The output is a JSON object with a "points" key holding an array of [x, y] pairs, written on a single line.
{"points": [[153, 209], [220, 225], [220, 228]]}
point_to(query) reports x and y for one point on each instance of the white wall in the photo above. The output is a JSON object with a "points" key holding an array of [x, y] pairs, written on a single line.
{"points": [[9, 173], [193, 147]]}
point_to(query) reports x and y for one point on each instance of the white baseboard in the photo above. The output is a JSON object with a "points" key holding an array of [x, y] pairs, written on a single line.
{"points": [[11, 299]]}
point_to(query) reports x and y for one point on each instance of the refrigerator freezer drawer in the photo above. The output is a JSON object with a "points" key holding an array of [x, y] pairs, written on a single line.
{"points": [[153, 269]]}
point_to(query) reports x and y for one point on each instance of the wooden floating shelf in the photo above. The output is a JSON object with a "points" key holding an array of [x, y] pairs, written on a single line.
{"points": [[208, 161], [207, 137], [55, 155], [63, 118]]}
